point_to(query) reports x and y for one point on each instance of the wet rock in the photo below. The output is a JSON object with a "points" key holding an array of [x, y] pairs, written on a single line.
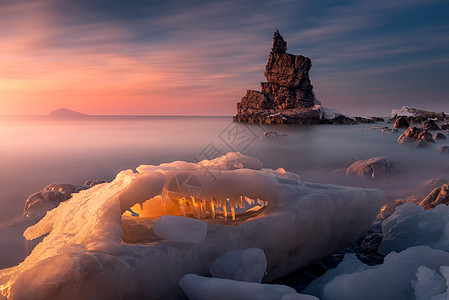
{"points": [[273, 134], [429, 125], [420, 144], [375, 167], [389, 130], [401, 122], [439, 136], [445, 126], [416, 116], [377, 119], [364, 120], [437, 196]]}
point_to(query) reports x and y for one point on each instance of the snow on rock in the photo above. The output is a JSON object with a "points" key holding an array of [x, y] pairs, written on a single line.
{"points": [[180, 229], [374, 167], [405, 111], [204, 288], [393, 280], [411, 225], [243, 265], [84, 256]]}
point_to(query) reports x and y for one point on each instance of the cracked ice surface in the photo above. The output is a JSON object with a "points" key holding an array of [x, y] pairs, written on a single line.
{"points": [[84, 257]]}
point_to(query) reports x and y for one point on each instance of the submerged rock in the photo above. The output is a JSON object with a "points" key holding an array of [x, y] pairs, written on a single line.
{"points": [[444, 149], [287, 97], [374, 167]]}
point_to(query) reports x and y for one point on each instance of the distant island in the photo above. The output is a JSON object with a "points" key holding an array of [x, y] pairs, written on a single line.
{"points": [[64, 112]]}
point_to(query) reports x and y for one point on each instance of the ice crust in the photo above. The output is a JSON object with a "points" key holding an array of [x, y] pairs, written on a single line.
{"points": [[83, 255], [243, 265], [180, 229], [411, 225], [204, 288], [390, 281]]}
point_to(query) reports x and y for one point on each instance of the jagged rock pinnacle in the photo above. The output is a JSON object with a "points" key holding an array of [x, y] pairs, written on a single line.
{"points": [[279, 45]]}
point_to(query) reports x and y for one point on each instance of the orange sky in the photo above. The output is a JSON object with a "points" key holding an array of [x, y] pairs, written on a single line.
{"points": [[199, 58]]}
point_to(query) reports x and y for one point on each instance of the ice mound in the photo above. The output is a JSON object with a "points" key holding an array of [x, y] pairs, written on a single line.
{"points": [[411, 225], [243, 265], [393, 280], [429, 284], [84, 255], [180, 229], [204, 288]]}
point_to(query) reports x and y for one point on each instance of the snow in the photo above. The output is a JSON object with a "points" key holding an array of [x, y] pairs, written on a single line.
{"points": [[411, 225], [204, 288], [390, 281], [403, 112], [180, 229], [327, 113], [243, 265], [83, 255]]}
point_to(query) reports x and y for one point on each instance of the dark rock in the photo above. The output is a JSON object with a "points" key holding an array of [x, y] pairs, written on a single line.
{"points": [[413, 135], [374, 167], [364, 120], [340, 120], [429, 125], [287, 97], [377, 119], [445, 126], [279, 45], [439, 136], [401, 122]]}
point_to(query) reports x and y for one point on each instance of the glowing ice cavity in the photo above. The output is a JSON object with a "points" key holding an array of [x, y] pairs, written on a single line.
{"points": [[84, 257]]}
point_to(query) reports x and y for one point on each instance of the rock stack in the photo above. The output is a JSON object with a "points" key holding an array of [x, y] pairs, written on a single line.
{"points": [[287, 96]]}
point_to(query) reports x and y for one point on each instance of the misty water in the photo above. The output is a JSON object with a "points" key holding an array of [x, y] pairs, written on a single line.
{"points": [[37, 151]]}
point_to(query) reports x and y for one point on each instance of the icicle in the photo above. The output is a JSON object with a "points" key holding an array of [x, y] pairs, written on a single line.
{"points": [[212, 209], [225, 211], [163, 195], [141, 206], [233, 212]]}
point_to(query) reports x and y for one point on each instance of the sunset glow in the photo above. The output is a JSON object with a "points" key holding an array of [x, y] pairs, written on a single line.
{"points": [[145, 58]]}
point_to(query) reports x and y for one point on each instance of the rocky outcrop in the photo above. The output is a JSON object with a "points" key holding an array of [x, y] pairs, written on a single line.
{"points": [[419, 137], [429, 125], [374, 167], [439, 136], [439, 195], [287, 97], [401, 122], [417, 116]]}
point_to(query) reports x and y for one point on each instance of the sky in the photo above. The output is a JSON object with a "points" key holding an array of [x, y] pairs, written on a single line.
{"points": [[176, 57]]}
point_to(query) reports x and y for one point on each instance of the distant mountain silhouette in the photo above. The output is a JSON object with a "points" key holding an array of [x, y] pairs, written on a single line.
{"points": [[64, 112]]}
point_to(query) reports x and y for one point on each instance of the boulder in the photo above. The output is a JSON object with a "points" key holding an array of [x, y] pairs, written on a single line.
{"points": [[439, 195], [444, 149], [429, 125], [374, 167], [414, 134], [439, 136], [401, 122]]}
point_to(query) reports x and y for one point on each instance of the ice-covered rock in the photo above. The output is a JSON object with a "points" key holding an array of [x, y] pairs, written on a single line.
{"points": [[415, 115], [243, 265], [411, 225], [204, 288], [84, 255], [180, 229], [390, 281], [375, 167]]}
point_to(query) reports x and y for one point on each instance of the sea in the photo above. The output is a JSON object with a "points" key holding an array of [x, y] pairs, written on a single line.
{"points": [[39, 150]]}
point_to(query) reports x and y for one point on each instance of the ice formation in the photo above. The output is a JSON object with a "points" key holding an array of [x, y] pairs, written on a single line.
{"points": [[243, 265], [85, 256], [180, 229], [411, 225], [395, 279], [204, 288]]}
